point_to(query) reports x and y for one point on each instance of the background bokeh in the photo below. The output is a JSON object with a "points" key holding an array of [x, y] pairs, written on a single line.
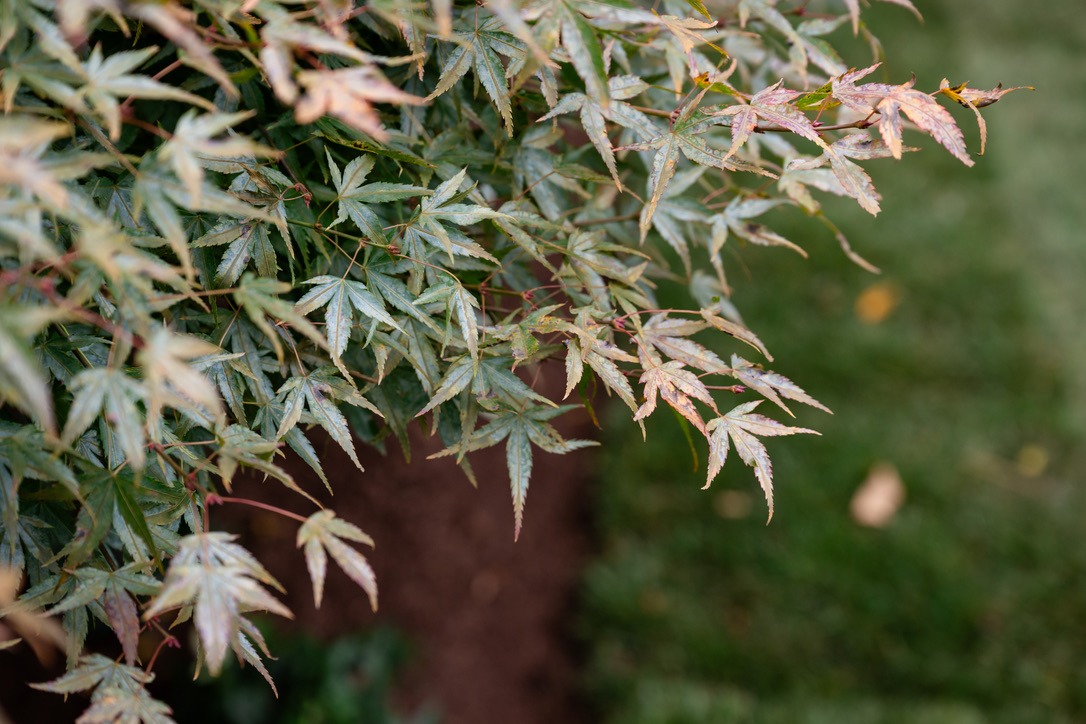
{"points": [[963, 365]]}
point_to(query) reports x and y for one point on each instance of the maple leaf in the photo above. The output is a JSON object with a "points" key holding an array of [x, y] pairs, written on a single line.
{"points": [[222, 581], [341, 295], [323, 532], [678, 218], [21, 378], [686, 32], [169, 380], [113, 591], [520, 429], [248, 241], [119, 692], [241, 446], [258, 296], [766, 11], [669, 336], [355, 197], [849, 179], [593, 115], [585, 52], [479, 49], [890, 101], [676, 386], [434, 213], [317, 392], [193, 143], [770, 104], [743, 427], [349, 94], [23, 142], [282, 35], [112, 393], [736, 219], [108, 78], [600, 360], [974, 99], [461, 303], [736, 330], [772, 385], [684, 137], [535, 169]]}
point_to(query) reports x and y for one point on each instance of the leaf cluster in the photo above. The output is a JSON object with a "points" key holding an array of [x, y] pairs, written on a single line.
{"points": [[228, 226]]}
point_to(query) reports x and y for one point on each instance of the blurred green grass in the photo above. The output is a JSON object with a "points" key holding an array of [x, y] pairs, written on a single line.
{"points": [[971, 605]]}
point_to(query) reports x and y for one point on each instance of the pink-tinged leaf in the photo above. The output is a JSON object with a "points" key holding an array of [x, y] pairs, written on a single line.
{"points": [[322, 532], [908, 5], [123, 619], [890, 101], [744, 121], [736, 330], [975, 99], [676, 386], [349, 94], [742, 427], [926, 113], [854, 14], [769, 384], [669, 337], [855, 181]]}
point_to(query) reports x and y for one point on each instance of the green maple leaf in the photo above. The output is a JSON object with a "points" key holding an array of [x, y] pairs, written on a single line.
{"points": [[355, 197], [259, 297], [478, 49], [108, 392], [342, 297], [593, 116], [111, 592], [248, 242], [520, 429], [437, 216], [317, 393]]}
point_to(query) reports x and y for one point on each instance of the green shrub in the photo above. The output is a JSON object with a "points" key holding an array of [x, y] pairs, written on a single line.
{"points": [[226, 223]]}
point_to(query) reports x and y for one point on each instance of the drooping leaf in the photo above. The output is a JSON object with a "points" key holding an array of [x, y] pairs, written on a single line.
{"points": [[222, 581], [324, 533], [743, 427]]}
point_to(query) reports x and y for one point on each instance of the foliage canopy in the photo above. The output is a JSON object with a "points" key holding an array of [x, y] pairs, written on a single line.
{"points": [[227, 223]]}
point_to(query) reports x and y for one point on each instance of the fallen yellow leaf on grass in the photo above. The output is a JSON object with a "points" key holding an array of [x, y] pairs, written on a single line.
{"points": [[876, 302], [878, 499]]}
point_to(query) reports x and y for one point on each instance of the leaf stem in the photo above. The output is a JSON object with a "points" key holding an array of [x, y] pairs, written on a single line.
{"points": [[214, 499]]}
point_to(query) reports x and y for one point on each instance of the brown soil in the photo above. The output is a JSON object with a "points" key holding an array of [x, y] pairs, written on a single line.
{"points": [[489, 618]]}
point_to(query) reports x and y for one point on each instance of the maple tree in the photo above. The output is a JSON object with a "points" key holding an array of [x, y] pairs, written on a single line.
{"points": [[226, 223]]}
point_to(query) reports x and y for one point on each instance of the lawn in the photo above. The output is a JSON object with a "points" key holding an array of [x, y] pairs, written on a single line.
{"points": [[963, 365]]}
